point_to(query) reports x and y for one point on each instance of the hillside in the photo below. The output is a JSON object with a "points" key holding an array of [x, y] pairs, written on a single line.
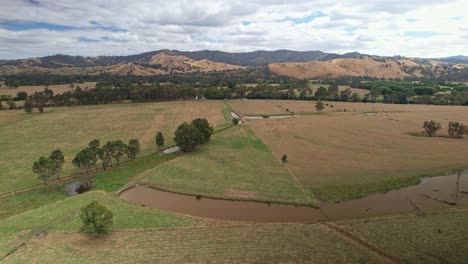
{"points": [[296, 64], [255, 58], [371, 67], [160, 63]]}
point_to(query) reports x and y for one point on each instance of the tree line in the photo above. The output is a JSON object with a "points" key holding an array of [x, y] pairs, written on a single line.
{"points": [[87, 158], [188, 137]]}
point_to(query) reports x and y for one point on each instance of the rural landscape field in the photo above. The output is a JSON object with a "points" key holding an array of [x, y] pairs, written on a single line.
{"points": [[233, 132]]}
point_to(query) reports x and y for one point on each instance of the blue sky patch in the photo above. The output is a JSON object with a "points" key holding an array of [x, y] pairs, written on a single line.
{"points": [[411, 20], [106, 28], [246, 23], [89, 40], [306, 19], [22, 25]]}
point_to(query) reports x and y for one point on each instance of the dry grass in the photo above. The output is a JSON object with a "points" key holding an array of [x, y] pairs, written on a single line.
{"points": [[440, 238], [242, 244], [368, 143], [346, 67], [30, 89], [26, 137]]}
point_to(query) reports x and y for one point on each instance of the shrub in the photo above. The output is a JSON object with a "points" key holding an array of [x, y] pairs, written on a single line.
{"points": [[319, 106], [431, 127], [235, 121], [457, 130], [96, 219], [159, 139], [284, 159]]}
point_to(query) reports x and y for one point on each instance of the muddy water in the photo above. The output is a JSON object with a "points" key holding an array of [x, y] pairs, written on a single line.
{"points": [[431, 193]]}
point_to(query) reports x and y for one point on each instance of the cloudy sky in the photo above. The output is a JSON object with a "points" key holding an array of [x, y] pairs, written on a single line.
{"points": [[422, 28]]}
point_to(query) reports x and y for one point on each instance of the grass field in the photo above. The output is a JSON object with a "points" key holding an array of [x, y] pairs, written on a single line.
{"points": [[234, 164], [439, 238], [64, 215], [243, 244], [26, 137], [111, 180], [367, 144]]}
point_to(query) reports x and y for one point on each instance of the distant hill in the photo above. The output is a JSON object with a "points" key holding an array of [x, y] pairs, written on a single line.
{"points": [[297, 64], [455, 59], [255, 58]]}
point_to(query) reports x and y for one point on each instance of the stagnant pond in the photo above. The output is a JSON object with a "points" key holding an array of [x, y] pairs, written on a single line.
{"points": [[431, 193]]}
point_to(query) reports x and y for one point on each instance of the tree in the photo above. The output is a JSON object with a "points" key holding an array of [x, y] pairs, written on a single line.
{"points": [[28, 106], [321, 93], [431, 127], [94, 151], [104, 154], [21, 96], [319, 106], [133, 148], [84, 159], [303, 94], [345, 94], [204, 127], [57, 157], [96, 219], [11, 104], [333, 90], [40, 99], [355, 97], [44, 168], [159, 139], [118, 150], [188, 137], [284, 159], [457, 130], [235, 121], [1, 106]]}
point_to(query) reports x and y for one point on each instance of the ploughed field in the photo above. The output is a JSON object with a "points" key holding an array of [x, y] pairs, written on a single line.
{"points": [[26, 137], [354, 148]]}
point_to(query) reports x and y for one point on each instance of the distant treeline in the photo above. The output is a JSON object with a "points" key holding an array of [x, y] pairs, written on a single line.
{"points": [[231, 86]]}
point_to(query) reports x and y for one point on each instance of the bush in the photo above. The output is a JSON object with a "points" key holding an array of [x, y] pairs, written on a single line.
{"points": [[235, 121], [96, 219], [431, 127], [457, 130], [284, 159], [319, 106]]}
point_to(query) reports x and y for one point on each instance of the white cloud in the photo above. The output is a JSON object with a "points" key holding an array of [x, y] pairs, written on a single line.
{"points": [[413, 28]]}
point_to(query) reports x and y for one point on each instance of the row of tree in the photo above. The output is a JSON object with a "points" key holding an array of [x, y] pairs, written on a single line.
{"points": [[455, 129], [87, 158]]}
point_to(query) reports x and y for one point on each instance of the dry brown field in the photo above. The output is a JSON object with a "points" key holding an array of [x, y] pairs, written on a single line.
{"points": [[367, 143], [30, 89]]}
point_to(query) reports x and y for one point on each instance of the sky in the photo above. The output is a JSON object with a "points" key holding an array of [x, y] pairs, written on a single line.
{"points": [[414, 28]]}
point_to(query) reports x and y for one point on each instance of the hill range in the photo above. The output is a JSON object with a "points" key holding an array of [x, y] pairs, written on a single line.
{"points": [[296, 64]]}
